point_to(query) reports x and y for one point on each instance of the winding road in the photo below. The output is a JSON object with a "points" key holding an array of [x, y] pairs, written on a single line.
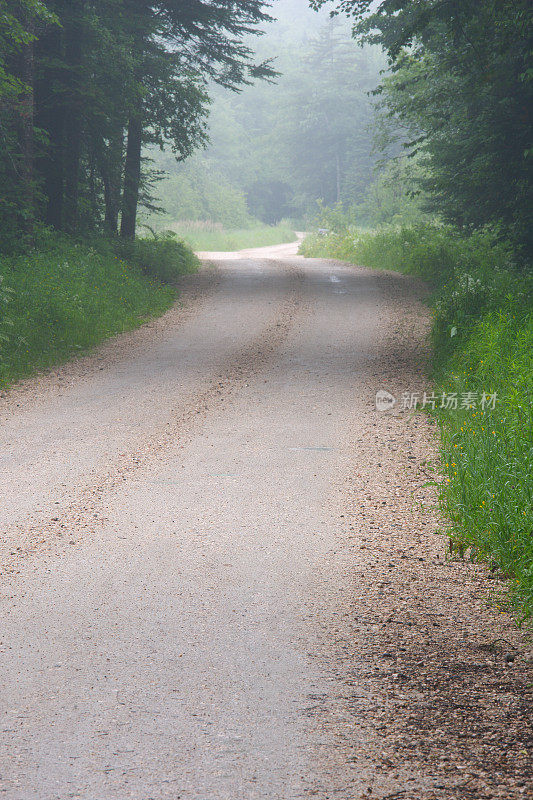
{"points": [[185, 590]]}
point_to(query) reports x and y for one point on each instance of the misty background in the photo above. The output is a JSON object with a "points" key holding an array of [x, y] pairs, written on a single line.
{"points": [[279, 149]]}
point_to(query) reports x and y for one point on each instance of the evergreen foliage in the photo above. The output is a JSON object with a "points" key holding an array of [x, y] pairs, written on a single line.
{"points": [[85, 85], [461, 95]]}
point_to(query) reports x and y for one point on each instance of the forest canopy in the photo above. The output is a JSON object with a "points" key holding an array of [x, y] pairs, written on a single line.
{"points": [[85, 85], [460, 95]]}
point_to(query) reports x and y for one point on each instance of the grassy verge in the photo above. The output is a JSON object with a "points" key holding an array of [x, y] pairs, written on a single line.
{"points": [[483, 346], [65, 297], [212, 236]]}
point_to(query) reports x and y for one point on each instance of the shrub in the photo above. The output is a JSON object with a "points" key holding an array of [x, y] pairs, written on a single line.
{"points": [[66, 296], [163, 256]]}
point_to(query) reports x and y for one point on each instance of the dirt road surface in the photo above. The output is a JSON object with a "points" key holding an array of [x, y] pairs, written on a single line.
{"points": [[221, 574]]}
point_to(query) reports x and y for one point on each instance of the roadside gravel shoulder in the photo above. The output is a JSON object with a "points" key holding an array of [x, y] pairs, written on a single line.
{"points": [[441, 676]]}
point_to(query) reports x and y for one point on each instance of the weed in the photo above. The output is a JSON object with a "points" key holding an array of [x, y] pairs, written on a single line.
{"points": [[66, 296]]}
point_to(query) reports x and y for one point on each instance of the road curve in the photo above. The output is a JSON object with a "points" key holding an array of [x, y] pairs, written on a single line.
{"points": [[177, 561]]}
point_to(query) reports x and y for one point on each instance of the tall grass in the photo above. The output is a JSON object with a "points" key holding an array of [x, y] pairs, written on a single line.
{"points": [[488, 455], [483, 345], [65, 297], [211, 236]]}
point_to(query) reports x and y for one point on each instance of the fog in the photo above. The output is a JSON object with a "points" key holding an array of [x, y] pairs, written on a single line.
{"points": [[279, 148]]}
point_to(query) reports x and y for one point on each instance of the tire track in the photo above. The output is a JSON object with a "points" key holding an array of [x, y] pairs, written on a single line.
{"points": [[86, 511]]}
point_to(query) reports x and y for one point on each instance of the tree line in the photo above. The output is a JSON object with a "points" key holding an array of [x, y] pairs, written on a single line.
{"points": [[460, 99], [86, 85], [277, 148]]}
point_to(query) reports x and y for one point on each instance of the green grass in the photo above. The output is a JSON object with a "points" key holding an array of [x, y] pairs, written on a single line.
{"points": [[64, 297], [488, 455], [209, 236], [482, 343]]}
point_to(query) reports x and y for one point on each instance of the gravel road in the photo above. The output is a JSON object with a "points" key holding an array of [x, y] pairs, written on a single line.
{"points": [[221, 574]]}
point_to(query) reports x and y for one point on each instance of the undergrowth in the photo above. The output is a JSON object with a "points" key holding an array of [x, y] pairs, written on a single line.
{"points": [[482, 338], [64, 296], [213, 237]]}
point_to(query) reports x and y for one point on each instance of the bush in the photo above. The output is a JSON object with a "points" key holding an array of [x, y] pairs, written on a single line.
{"points": [[66, 296], [163, 256]]}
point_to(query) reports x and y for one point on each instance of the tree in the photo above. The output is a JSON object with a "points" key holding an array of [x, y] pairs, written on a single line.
{"points": [[17, 36], [198, 37], [86, 84], [326, 118], [462, 85]]}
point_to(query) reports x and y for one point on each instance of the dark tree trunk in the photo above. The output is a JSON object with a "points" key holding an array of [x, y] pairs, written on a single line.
{"points": [[50, 117], [132, 178], [26, 139], [112, 204], [74, 31], [110, 168]]}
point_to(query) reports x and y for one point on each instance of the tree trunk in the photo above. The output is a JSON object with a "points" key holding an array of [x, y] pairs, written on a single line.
{"points": [[338, 176], [112, 203], [132, 178], [50, 117], [110, 168], [26, 138], [74, 31]]}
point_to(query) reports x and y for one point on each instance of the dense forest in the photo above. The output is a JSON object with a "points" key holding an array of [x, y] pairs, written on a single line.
{"points": [[94, 92], [86, 85], [404, 113], [461, 94], [278, 147]]}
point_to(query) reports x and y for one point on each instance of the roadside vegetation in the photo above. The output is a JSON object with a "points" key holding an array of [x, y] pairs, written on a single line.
{"points": [[482, 338], [451, 202], [213, 236], [63, 297]]}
